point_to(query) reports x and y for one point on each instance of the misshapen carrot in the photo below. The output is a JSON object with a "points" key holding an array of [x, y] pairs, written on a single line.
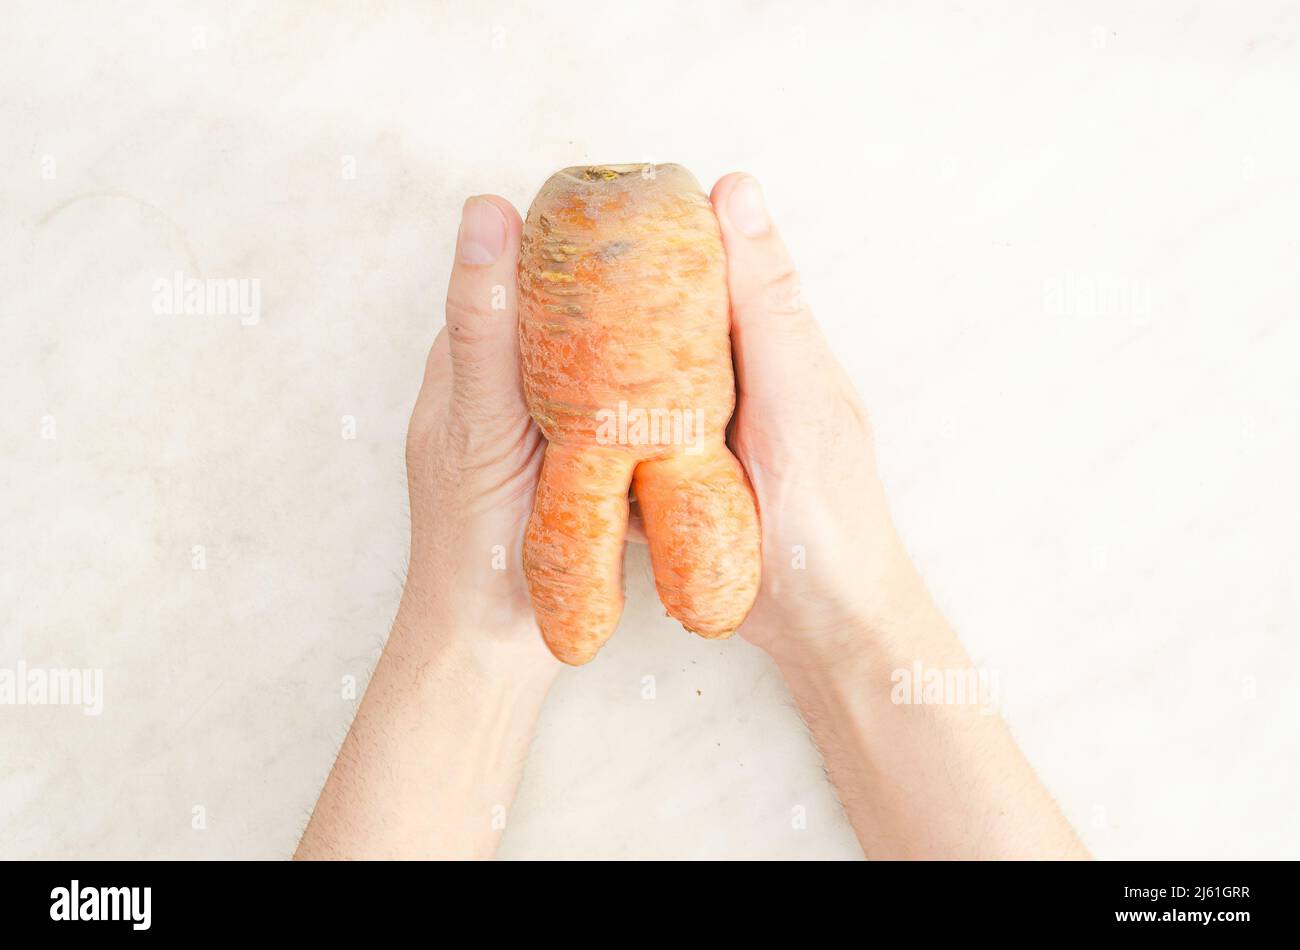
{"points": [[626, 357]]}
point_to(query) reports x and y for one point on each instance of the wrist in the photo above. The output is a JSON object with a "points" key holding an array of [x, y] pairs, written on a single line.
{"points": [[893, 625], [432, 643], [861, 670]]}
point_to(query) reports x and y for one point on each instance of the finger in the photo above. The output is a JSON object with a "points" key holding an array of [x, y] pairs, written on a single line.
{"points": [[482, 308], [778, 348]]}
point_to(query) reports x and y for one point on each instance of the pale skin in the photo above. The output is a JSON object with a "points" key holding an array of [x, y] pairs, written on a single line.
{"points": [[435, 754]]}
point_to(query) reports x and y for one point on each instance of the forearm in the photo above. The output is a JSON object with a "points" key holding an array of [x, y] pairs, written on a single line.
{"points": [[923, 779], [433, 759]]}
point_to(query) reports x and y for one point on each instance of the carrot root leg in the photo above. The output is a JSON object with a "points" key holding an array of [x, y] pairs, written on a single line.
{"points": [[573, 549], [702, 525]]}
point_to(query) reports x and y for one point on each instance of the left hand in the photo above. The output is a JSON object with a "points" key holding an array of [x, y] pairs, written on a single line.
{"points": [[473, 455]]}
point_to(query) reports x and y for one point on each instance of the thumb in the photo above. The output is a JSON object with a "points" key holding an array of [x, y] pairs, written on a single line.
{"points": [[779, 350], [483, 310]]}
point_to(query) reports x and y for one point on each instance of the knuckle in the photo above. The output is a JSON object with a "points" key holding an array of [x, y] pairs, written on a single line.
{"points": [[780, 293], [475, 312], [468, 321]]}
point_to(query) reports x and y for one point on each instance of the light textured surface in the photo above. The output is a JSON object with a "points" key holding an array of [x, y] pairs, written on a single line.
{"points": [[1100, 490]]}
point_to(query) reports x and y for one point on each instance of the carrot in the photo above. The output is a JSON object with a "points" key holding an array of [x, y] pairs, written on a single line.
{"points": [[625, 348]]}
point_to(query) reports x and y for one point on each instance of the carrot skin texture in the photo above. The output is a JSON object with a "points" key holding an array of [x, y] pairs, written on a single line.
{"points": [[624, 308], [700, 521], [573, 548]]}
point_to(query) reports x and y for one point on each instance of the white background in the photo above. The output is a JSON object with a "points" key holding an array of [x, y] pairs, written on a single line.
{"points": [[1102, 492]]}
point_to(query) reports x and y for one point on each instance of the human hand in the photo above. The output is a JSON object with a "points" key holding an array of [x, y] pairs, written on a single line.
{"points": [[473, 455], [439, 740], [832, 561], [834, 570]]}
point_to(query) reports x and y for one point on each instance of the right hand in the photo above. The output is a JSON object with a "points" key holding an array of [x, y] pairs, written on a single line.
{"points": [[834, 570]]}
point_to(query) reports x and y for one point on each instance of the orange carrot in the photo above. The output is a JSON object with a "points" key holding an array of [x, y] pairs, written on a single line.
{"points": [[626, 356]]}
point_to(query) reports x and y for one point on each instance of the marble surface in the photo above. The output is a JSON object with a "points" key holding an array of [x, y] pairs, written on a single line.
{"points": [[1055, 245]]}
